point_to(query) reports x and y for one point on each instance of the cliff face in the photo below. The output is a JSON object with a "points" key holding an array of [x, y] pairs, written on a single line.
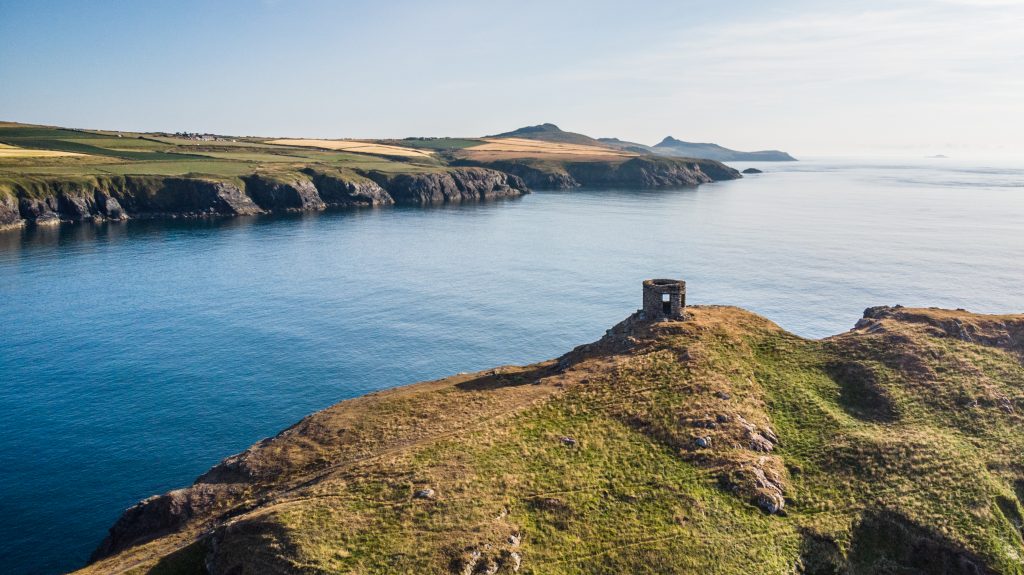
{"points": [[344, 189], [719, 443], [293, 192], [455, 185], [46, 200], [642, 171], [43, 200]]}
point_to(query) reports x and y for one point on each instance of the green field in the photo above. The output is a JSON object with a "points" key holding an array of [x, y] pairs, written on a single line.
{"points": [[434, 143], [127, 153]]}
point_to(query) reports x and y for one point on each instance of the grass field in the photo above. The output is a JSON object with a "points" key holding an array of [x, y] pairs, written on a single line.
{"points": [[493, 149], [43, 150], [8, 151], [434, 143], [357, 146]]}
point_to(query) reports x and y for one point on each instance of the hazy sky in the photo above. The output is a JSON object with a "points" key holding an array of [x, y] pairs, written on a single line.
{"points": [[895, 77]]}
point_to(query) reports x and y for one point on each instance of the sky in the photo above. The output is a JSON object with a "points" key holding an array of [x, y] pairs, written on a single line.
{"points": [[812, 78]]}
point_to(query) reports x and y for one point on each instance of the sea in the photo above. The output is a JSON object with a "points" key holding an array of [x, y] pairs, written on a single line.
{"points": [[136, 355]]}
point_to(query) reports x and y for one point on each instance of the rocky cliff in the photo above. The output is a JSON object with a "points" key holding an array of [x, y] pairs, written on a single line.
{"points": [[53, 199], [454, 185], [640, 171], [719, 443]]}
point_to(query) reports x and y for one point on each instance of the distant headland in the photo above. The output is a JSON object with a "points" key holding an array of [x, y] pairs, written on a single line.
{"points": [[52, 174]]}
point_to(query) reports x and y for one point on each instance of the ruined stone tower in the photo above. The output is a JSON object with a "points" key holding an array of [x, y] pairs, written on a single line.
{"points": [[664, 299]]}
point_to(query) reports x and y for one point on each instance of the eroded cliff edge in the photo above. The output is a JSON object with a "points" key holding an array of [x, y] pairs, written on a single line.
{"points": [[53, 199], [639, 171], [41, 199], [719, 443]]}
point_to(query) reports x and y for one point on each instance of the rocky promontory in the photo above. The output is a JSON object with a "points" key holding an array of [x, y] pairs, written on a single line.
{"points": [[638, 171], [713, 443], [54, 199], [456, 185]]}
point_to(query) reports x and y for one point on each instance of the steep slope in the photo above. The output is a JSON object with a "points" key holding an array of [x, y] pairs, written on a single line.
{"points": [[54, 199], [633, 171], [673, 147], [717, 444]]}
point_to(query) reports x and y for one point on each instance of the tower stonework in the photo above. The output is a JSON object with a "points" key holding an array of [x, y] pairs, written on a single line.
{"points": [[664, 299]]}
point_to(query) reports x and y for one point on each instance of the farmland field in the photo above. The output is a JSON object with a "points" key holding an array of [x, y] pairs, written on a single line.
{"points": [[354, 146], [42, 150], [515, 148]]}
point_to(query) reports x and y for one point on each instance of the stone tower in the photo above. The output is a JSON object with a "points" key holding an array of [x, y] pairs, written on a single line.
{"points": [[664, 299]]}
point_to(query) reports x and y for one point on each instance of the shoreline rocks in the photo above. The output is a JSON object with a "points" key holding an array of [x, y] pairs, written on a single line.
{"points": [[45, 200]]}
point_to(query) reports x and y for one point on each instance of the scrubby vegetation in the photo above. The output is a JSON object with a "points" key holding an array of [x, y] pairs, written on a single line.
{"points": [[720, 444]]}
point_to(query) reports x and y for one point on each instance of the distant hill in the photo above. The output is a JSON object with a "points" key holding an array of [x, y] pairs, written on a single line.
{"points": [[673, 147], [550, 133], [667, 147]]}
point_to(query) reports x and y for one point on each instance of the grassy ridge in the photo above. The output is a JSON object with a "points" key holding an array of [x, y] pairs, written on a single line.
{"points": [[896, 448]]}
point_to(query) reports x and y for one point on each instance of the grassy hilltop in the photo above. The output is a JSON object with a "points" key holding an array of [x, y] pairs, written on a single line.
{"points": [[720, 444]]}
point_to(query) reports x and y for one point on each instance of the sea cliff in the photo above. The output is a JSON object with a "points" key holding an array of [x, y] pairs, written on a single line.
{"points": [[716, 443], [53, 199], [639, 171]]}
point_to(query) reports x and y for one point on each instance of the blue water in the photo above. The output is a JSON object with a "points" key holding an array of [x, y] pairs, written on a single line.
{"points": [[134, 356]]}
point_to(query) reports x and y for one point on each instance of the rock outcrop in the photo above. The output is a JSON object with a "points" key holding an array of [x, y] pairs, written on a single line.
{"points": [[537, 175], [10, 216], [345, 189], [54, 199], [452, 185], [640, 171], [651, 172], [283, 192]]}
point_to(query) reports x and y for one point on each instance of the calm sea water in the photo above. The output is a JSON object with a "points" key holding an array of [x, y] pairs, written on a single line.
{"points": [[135, 356]]}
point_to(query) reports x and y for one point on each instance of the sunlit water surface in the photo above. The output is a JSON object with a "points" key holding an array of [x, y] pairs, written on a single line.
{"points": [[135, 356]]}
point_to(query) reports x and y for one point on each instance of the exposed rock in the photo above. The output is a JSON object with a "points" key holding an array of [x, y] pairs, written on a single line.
{"points": [[541, 176], [752, 171], [703, 442], [9, 214], [39, 210], [454, 185], [514, 561], [289, 192], [760, 481], [650, 172], [760, 443], [569, 441], [109, 206], [424, 493], [157, 516], [77, 208], [154, 196], [1006, 332], [640, 171], [341, 188]]}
